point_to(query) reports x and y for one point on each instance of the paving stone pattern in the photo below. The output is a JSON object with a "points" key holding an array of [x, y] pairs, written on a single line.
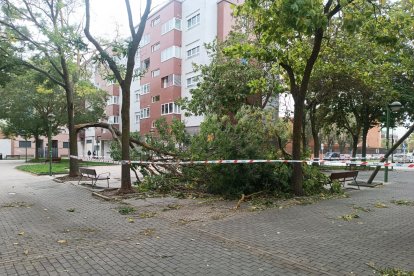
{"points": [[49, 228]]}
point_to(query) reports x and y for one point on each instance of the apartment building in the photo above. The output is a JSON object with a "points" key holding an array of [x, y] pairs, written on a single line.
{"points": [[20, 148], [160, 57], [97, 140], [173, 41]]}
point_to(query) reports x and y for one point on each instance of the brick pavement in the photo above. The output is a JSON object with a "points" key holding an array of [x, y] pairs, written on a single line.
{"points": [[301, 240]]}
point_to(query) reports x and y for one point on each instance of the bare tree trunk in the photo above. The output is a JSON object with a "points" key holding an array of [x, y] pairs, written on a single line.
{"points": [[364, 143], [365, 129], [73, 137], [354, 145], [315, 134], [125, 173], [36, 155], [297, 176], [304, 138]]}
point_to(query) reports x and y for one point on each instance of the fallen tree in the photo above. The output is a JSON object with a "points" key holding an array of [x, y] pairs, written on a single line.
{"points": [[390, 151], [139, 146]]}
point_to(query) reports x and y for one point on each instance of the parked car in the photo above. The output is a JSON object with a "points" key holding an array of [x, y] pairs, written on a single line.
{"points": [[332, 156], [401, 158]]}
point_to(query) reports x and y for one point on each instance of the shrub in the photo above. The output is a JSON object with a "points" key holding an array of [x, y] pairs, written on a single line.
{"points": [[314, 180]]}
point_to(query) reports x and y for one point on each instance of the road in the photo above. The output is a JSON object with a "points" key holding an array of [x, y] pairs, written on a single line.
{"points": [[50, 228]]}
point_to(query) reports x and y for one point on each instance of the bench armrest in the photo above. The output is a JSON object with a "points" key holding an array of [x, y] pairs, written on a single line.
{"points": [[104, 175]]}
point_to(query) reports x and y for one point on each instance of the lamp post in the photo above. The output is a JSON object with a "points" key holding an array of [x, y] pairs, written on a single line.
{"points": [[393, 107], [50, 118]]}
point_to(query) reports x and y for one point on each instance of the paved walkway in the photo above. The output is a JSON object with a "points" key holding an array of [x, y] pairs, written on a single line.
{"points": [[39, 235]]}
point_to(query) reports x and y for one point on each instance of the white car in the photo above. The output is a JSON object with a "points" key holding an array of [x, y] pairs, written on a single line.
{"points": [[401, 158]]}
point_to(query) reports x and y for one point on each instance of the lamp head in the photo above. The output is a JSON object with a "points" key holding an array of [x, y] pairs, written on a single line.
{"points": [[395, 106], [51, 116]]}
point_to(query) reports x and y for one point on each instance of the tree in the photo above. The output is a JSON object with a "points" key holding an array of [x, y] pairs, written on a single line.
{"points": [[28, 99], [355, 74], [291, 35], [44, 40], [123, 75], [25, 107]]}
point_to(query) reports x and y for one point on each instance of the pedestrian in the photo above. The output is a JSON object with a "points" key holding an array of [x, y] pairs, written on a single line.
{"points": [[89, 153]]}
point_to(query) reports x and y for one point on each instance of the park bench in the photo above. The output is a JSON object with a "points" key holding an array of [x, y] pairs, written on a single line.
{"points": [[91, 174], [343, 177], [8, 156], [54, 159]]}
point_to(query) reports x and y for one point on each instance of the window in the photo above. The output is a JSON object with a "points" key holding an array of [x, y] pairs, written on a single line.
{"points": [[145, 113], [145, 89], [137, 117], [193, 52], [153, 124], [136, 95], [172, 52], [170, 80], [155, 98], [170, 108], [156, 21], [146, 64], [155, 47], [144, 40], [89, 141], [155, 73], [113, 120], [195, 20], [174, 23], [113, 100], [65, 145], [25, 144], [192, 81]]}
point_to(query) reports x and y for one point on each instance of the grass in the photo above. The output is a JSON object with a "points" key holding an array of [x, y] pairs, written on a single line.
{"points": [[390, 271], [126, 210], [394, 272], [62, 167], [403, 202]]}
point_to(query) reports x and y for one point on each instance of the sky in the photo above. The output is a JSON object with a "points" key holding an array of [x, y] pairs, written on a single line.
{"points": [[106, 15]]}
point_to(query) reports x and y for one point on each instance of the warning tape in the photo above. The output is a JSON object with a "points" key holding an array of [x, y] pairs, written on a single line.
{"points": [[191, 162], [242, 161]]}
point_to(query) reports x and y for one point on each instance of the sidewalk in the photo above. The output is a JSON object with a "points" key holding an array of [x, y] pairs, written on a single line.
{"points": [[49, 228]]}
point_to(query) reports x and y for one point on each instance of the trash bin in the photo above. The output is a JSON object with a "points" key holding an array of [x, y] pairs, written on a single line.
{"points": [[1, 156]]}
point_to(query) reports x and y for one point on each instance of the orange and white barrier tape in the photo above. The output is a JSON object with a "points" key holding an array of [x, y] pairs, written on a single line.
{"points": [[243, 161]]}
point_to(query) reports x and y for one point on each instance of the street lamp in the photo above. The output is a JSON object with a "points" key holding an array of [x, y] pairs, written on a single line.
{"points": [[393, 107], [50, 118]]}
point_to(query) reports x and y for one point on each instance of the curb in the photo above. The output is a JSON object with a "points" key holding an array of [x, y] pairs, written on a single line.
{"points": [[101, 196]]}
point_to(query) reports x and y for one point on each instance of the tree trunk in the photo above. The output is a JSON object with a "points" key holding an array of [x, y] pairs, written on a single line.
{"points": [[364, 143], [315, 134], [365, 129], [342, 146], [354, 145], [73, 137], [36, 155], [304, 140], [297, 176], [126, 186]]}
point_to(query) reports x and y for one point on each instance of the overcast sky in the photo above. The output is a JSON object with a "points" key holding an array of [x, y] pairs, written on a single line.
{"points": [[106, 15]]}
